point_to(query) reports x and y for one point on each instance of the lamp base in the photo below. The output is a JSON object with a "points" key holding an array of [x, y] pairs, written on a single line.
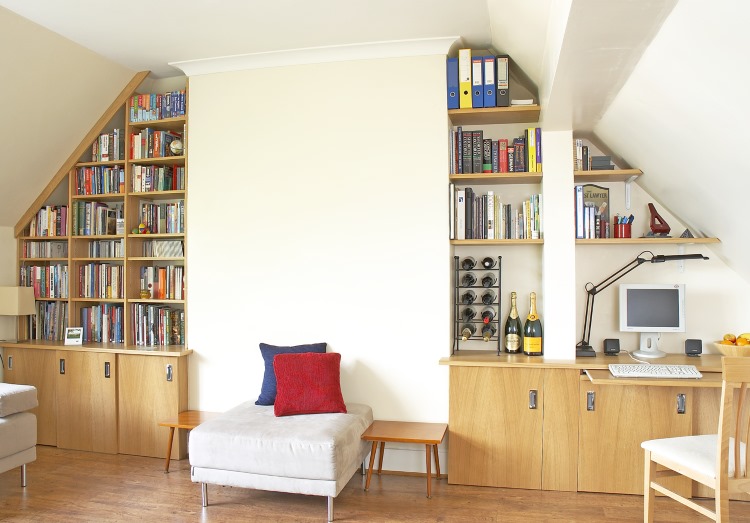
{"points": [[585, 351]]}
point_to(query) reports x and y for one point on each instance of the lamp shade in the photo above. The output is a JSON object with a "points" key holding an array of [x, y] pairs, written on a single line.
{"points": [[17, 301]]}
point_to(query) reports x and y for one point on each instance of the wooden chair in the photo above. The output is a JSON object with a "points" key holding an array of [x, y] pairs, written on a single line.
{"points": [[718, 461]]}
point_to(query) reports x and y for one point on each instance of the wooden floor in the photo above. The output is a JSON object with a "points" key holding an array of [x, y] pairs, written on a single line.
{"points": [[71, 486]]}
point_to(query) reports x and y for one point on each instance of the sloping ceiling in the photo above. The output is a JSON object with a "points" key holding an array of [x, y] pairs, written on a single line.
{"points": [[658, 82]]}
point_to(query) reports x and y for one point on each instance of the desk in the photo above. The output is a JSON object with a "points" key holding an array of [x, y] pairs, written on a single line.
{"points": [[429, 434], [188, 419]]}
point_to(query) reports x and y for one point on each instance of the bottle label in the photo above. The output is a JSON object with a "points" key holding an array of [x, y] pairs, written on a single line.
{"points": [[532, 345], [512, 342]]}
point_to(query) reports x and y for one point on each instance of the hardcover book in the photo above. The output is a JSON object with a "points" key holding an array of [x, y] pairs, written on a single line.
{"points": [[596, 202]]}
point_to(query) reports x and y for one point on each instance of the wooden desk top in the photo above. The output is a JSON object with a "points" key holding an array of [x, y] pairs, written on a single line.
{"points": [[406, 432]]}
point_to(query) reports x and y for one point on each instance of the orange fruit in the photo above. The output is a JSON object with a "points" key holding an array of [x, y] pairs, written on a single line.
{"points": [[730, 337], [726, 342], [742, 341]]}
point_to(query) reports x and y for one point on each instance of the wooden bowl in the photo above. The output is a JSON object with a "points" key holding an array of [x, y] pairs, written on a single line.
{"points": [[732, 350]]}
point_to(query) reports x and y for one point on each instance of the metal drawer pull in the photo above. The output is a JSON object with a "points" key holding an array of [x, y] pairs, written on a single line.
{"points": [[62, 366], [10, 362], [590, 400], [532, 399], [681, 404], [169, 372], [106, 369]]}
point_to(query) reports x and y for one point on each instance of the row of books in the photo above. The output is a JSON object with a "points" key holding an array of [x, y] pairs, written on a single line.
{"points": [[592, 211], [48, 281], [164, 283], [95, 218], [149, 178], [151, 143], [103, 323], [50, 220], [51, 249], [157, 325], [157, 106], [100, 180], [582, 161], [109, 147], [487, 217], [106, 248], [100, 281], [476, 79], [163, 248], [161, 218], [49, 322], [472, 153]]}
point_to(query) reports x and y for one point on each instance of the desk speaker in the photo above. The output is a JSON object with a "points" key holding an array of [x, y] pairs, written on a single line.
{"points": [[693, 347], [611, 346]]}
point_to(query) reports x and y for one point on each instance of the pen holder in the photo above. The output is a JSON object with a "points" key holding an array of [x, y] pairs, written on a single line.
{"points": [[622, 230]]}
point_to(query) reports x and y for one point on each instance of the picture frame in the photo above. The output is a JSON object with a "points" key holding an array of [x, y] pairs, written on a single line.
{"points": [[74, 336]]}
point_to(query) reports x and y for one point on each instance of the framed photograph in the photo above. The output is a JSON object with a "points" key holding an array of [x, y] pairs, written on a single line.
{"points": [[74, 336]]}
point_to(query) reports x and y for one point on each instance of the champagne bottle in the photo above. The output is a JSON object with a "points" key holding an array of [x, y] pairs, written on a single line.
{"points": [[488, 280], [488, 331], [532, 330], [467, 331], [488, 262], [489, 297], [488, 314], [468, 280], [468, 314], [468, 297], [513, 328], [468, 263]]}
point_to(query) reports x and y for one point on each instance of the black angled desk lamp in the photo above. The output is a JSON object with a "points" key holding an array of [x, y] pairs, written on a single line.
{"points": [[583, 348]]}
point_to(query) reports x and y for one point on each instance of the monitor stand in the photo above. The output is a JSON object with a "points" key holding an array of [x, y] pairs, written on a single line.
{"points": [[649, 346]]}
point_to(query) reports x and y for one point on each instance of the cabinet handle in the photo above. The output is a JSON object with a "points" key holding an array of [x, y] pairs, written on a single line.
{"points": [[681, 404], [169, 372], [106, 369], [10, 362], [590, 399], [62, 366], [532, 399]]}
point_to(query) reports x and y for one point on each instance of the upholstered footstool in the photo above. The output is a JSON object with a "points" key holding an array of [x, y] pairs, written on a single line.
{"points": [[17, 427], [248, 446]]}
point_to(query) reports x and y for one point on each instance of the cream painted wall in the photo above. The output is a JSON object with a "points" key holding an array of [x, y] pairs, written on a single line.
{"points": [[317, 212], [7, 277]]}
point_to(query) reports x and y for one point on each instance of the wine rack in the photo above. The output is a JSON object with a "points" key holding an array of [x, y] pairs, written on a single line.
{"points": [[477, 305]]}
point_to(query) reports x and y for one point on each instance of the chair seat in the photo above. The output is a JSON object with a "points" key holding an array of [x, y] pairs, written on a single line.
{"points": [[697, 452]]}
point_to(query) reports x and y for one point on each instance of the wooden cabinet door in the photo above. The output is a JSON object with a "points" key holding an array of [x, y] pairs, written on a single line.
{"points": [[610, 453], [151, 389], [495, 438], [86, 401], [560, 432], [36, 367]]}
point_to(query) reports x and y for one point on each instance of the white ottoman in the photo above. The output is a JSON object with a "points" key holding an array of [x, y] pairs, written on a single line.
{"points": [[17, 427]]}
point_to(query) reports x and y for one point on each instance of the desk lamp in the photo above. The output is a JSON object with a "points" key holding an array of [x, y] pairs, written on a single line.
{"points": [[583, 348], [16, 301]]}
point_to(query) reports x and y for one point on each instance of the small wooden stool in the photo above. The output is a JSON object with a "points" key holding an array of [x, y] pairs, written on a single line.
{"points": [[430, 434], [188, 419]]}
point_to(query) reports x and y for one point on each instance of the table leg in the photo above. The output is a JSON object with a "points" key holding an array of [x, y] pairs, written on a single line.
{"points": [[372, 462], [429, 472], [437, 461], [169, 450], [380, 458]]}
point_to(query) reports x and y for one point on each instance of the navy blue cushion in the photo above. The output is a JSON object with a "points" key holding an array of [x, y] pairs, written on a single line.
{"points": [[268, 388]]}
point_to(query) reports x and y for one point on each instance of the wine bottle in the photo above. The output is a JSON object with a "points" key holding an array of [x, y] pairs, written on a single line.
{"points": [[513, 329], [468, 263], [488, 262], [532, 330], [489, 297], [468, 314], [468, 280], [488, 314], [488, 280], [467, 331], [468, 297], [488, 331]]}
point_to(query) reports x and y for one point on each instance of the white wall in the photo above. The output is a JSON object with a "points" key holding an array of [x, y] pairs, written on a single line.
{"points": [[7, 277]]}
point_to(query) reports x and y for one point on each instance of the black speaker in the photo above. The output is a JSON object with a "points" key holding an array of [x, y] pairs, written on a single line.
{"points": [[611, 346], [693, 347]]}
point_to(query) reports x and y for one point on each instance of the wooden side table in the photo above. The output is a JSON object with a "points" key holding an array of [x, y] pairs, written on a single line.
{"points": [[429, 434], [188, 419]]}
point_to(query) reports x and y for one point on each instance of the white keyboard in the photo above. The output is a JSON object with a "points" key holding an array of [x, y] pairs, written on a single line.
{"points": [[645, 370]]}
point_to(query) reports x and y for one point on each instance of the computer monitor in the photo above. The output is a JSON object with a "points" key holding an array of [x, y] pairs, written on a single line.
{"points": [[651, 309]]}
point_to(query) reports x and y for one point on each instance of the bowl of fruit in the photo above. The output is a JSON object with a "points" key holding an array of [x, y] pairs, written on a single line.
{"points": [[732, 345]]}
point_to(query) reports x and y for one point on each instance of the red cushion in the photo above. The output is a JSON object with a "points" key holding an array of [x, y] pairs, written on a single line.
{"points": [[308, 383]]}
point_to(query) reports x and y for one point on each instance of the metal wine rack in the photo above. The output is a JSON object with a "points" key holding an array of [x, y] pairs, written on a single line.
{"points": [[458, 307]]}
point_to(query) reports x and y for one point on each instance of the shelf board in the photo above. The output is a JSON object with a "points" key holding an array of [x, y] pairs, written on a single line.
{"points": [[111, 163], [98, 237], [159, 195], [26, 260], [44, 238], [497, 178], [160, 235], [99, 197], [602, 241], [154, 300], [98, 300], [495, 115], [607, 175], [87, 259], [497, 242], [156, 258], [164, 124], [163, 160]]}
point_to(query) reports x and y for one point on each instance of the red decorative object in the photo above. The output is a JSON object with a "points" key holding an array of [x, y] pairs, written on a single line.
{"points": [[308, 383]]}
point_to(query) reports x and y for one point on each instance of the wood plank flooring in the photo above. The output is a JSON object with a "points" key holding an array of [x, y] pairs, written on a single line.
{"points": [[71, 486]]}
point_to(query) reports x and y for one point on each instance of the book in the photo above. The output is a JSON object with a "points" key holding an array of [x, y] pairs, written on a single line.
{"points": [[596, 200], [460, 214], [487, 155], [522, 101], [476, 151], [579, 211]]}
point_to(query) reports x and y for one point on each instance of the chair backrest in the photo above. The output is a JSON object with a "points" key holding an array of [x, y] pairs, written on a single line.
{"points": [[734, 420]]}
